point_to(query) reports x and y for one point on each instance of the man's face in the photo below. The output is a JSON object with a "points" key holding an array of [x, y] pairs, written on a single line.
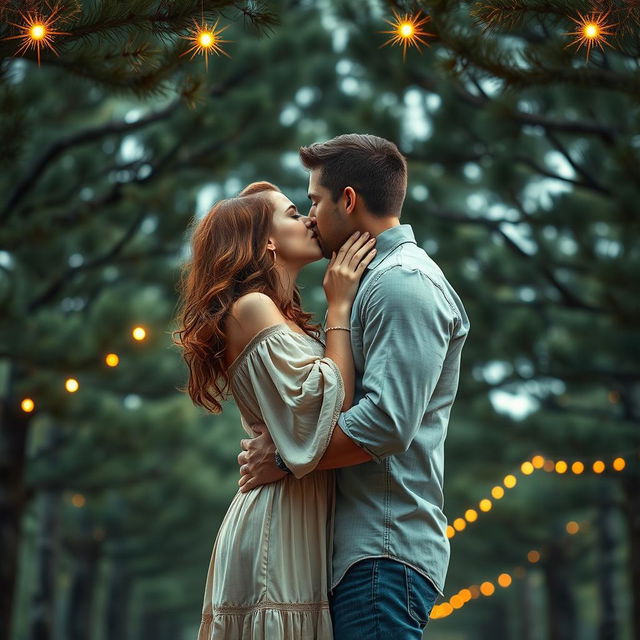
{"points": [[331, 224]]}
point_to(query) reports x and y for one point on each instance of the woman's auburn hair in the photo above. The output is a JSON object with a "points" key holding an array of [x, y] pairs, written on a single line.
{"points": [[228, 260]]}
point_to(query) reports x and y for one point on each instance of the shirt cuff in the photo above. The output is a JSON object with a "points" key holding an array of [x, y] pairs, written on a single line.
{"points": [[342, 423]]}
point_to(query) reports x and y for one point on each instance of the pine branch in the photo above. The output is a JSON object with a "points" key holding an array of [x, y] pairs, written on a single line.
{"points": [[56, 149], [532, 164], [570, 299], [584, 127]]}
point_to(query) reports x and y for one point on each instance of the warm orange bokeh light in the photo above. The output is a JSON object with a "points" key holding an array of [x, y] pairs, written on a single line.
{"points": [[598, 466], [112, 359], [504, 579], [526, 468], [71, 385], [577, 467], [459, 524], [572, 527], [533, 556], [487, 588], [485, 504], [619, 464], [561, 466], [441, 610], [27, 405], [77, 500], [510, 481], [497, 492], [471, 515], [537, 462], [465, 594], [139, 333]]}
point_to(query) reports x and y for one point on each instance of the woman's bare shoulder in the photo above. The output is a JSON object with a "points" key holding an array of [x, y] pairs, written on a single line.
{"points": [[248, 315]]}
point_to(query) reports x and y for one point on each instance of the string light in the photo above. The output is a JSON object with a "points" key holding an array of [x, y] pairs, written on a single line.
{"points": [[591, 30], [139, 333], [72, 385], [488, 587], [406, 31], [37, 31], [205, 39], [527, 468], [112, 359]]}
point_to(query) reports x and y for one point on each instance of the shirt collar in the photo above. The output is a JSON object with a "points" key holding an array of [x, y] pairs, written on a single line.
{"points": [[391, 239]]}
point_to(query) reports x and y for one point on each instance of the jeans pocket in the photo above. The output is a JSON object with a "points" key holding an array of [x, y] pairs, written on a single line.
{"points": [[421, 596]]}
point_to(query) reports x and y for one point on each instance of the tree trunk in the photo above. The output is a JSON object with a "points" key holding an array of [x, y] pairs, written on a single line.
{"points": [[630, 480], [560, 602], [87, 554], [119, 591], [42, 609], [526, 618], [14, 428], [608, 626]]}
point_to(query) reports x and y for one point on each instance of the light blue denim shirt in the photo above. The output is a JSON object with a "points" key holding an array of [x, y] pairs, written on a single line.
{"points": [[408, 327]]}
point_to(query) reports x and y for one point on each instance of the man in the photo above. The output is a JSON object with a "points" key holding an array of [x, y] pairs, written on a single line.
{"points": [[408, 327]]}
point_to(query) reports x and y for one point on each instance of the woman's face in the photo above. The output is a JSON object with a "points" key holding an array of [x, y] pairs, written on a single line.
{"points": [[293, 236]]}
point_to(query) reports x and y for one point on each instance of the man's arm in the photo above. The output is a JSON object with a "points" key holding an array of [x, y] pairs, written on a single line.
{"points": [[406, 333], [342, 452], [407, 324]]}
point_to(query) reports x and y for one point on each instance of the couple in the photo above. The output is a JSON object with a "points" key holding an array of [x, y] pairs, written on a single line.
{"points": [[337, 530]]}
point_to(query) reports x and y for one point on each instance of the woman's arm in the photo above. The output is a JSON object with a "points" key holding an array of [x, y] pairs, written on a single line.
{"points": [[339, 349]]}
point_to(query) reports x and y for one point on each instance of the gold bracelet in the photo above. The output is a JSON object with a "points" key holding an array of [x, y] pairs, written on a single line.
{"points": [[344, 328]]}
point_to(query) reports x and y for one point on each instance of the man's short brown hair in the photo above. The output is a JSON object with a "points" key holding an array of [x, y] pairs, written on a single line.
{"points": [[372, 166]]}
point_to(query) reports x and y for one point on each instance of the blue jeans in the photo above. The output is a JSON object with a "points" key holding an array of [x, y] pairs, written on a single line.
{"points": [[381, 598]]}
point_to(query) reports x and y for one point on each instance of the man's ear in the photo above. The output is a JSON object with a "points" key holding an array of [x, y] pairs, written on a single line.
{"points": [[350, 198]]}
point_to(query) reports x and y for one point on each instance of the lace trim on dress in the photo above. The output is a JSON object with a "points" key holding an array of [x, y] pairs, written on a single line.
{"points": [[265, 604]]}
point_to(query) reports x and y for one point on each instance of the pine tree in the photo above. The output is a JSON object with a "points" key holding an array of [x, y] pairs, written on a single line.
{"points": [[108, 148]]}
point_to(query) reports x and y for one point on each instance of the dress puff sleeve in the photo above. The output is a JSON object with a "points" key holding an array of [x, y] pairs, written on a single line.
{"points": [[300, 395]]}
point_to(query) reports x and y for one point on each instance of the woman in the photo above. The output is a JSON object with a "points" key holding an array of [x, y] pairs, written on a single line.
{"points": [[241, 323]]}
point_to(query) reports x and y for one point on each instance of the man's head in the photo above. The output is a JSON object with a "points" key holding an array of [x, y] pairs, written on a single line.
{"points": [[357, 182]]}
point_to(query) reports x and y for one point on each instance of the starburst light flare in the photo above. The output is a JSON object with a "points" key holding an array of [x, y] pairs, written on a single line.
{"points": [[406, 31], [206, 39], [592, 31], [37, 31]]}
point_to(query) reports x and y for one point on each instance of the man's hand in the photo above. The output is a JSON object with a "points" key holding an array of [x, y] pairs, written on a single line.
{"points": [[257, 461]]}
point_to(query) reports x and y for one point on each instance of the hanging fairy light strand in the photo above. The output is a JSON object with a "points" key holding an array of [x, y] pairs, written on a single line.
{"points": [[504, 580], [537, 463], [71, 385]]}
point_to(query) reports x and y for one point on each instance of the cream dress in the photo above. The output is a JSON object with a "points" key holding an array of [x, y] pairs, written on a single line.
{"points": [[269, 573]]}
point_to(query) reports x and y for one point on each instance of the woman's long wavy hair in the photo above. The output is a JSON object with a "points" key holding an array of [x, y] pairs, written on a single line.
{"points": [[228, 260]]}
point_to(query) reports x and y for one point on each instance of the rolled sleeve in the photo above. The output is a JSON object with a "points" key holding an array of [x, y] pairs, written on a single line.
{"points": [[407, 325]]}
